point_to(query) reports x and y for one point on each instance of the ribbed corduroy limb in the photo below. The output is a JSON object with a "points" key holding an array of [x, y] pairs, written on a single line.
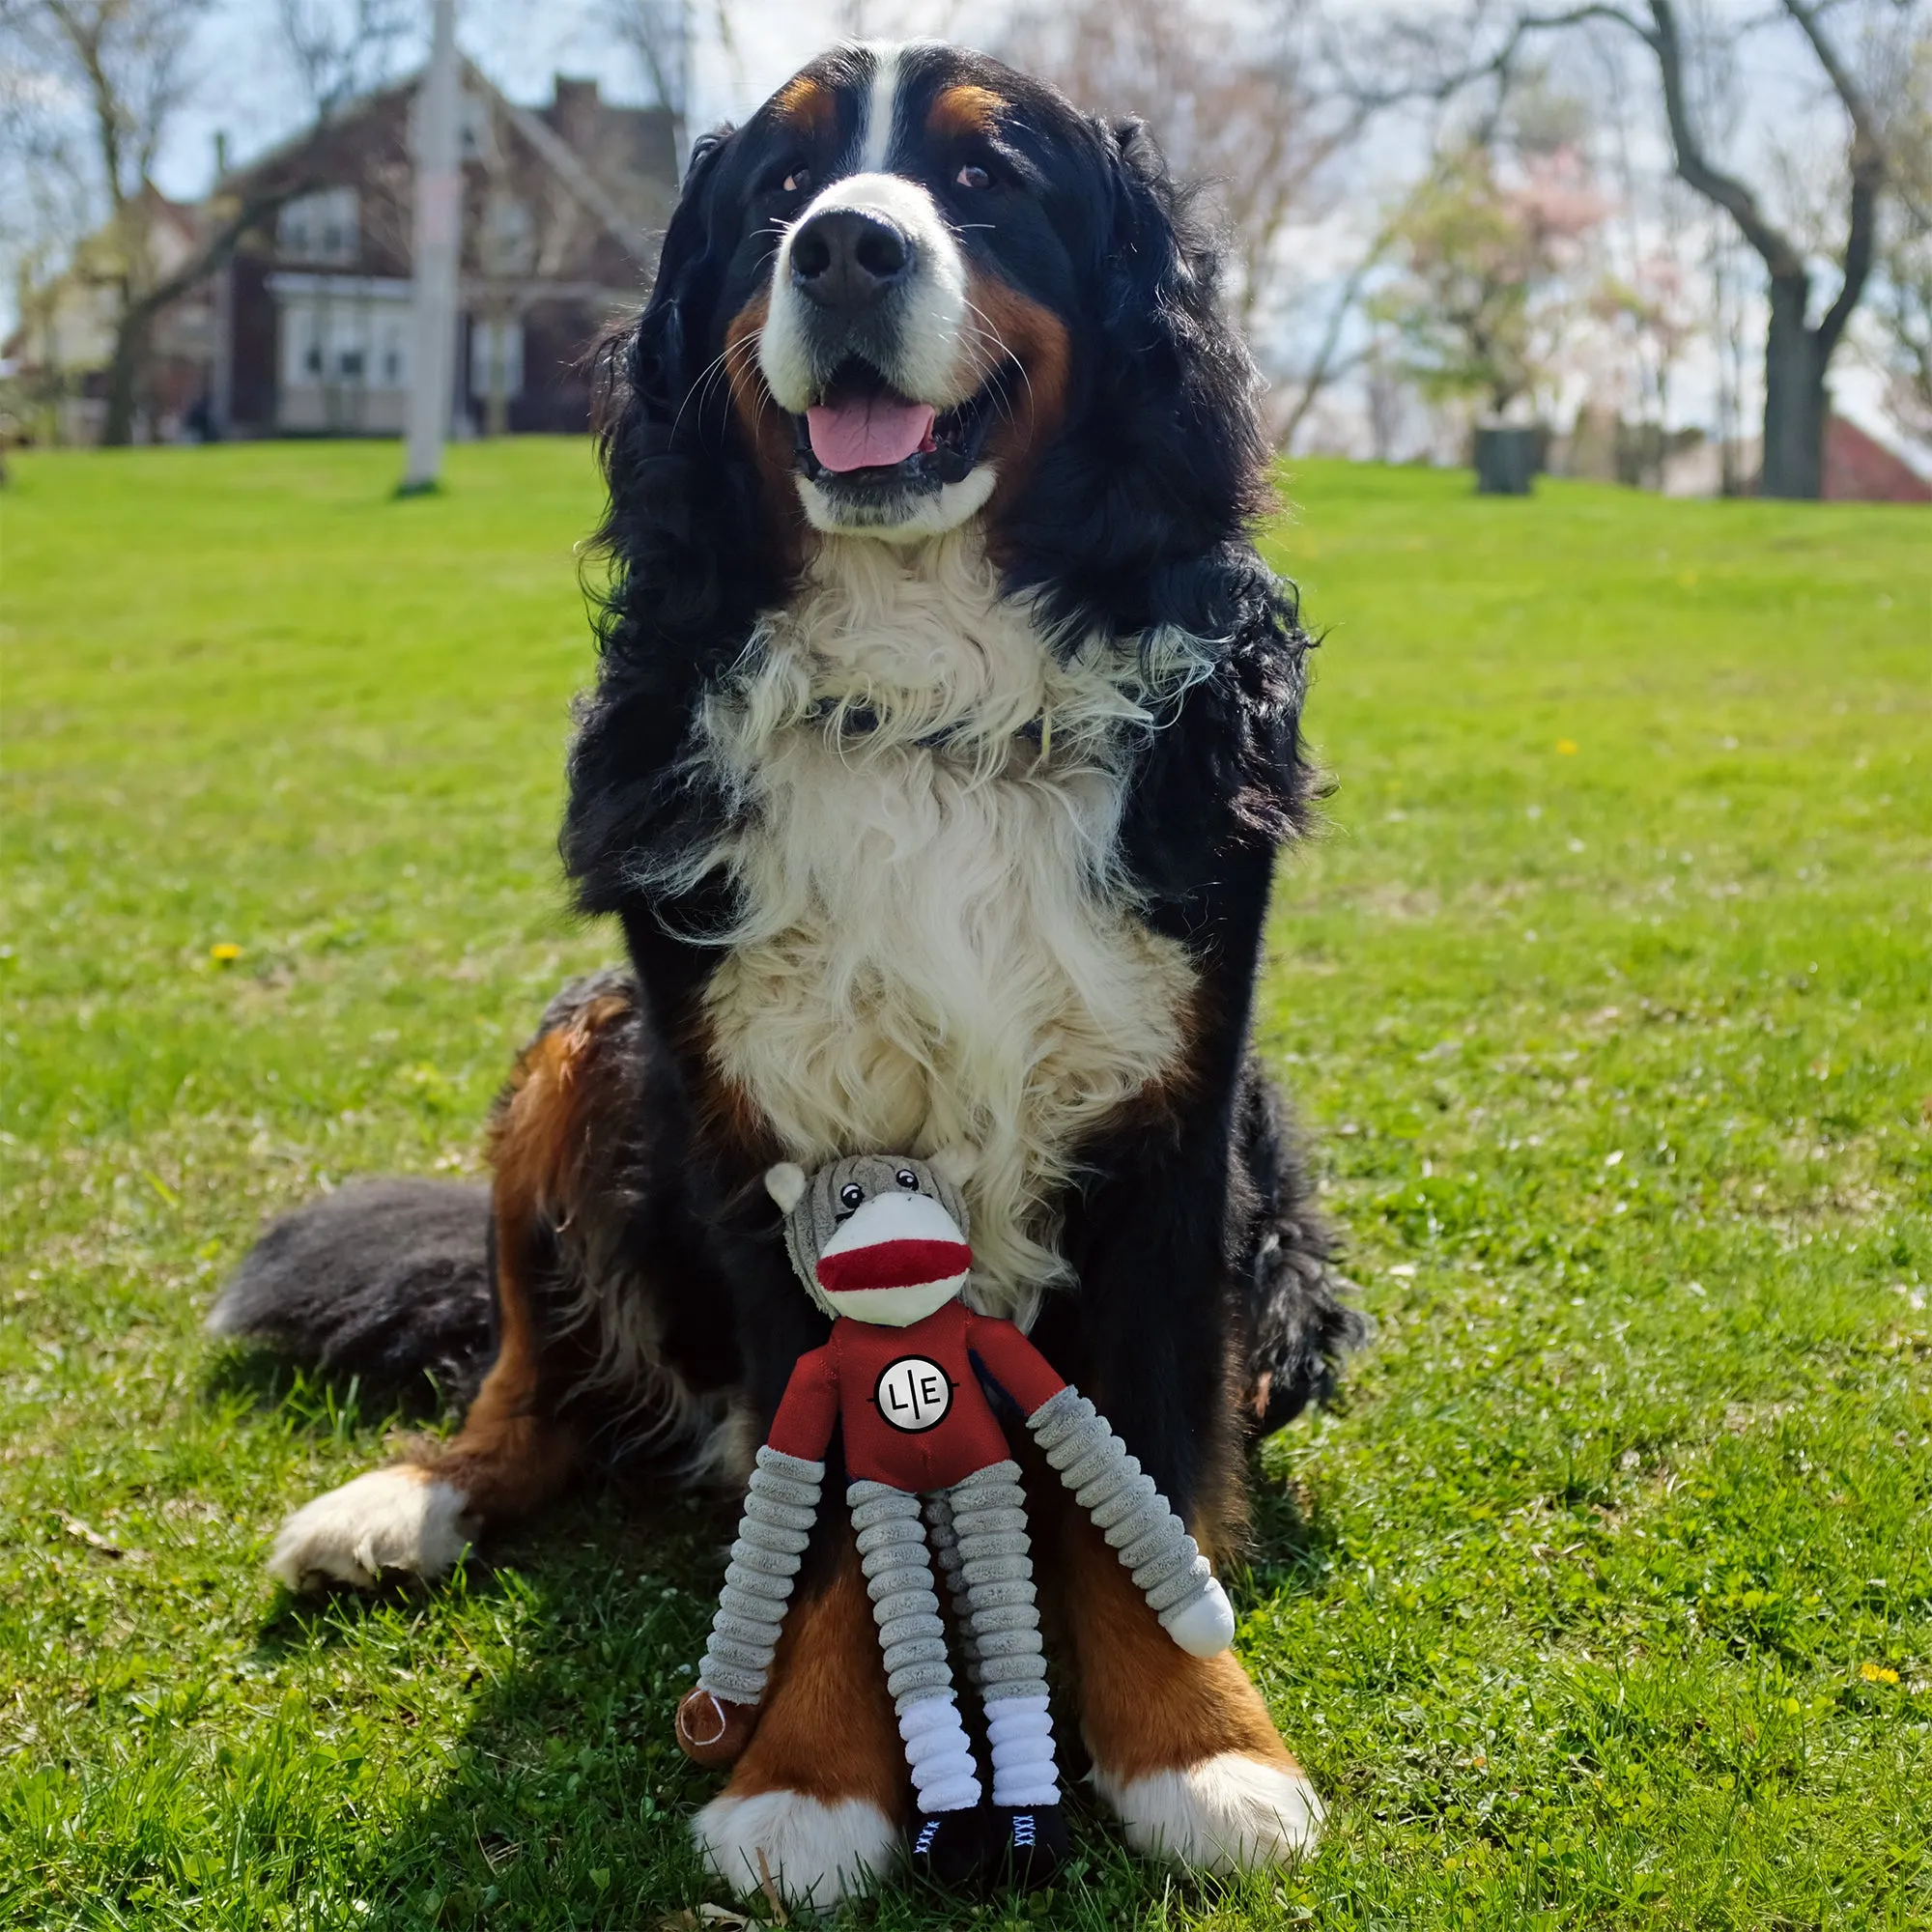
{"points": [[1126, 1508], [944, 1540], [779, 1507], [988, 1519], [898, 1580], [996, 1562]]}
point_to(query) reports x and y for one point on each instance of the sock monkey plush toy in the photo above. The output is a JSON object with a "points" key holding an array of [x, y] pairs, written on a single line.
{"points": [[880, 1242]]}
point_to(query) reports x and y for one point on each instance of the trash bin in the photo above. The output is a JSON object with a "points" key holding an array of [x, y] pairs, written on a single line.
{"points": [[1507, 460]]}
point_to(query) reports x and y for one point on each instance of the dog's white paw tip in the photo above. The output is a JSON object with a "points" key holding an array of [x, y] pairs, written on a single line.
{"points": [[1227, 1814], [814, 1854], [399, 1518]]}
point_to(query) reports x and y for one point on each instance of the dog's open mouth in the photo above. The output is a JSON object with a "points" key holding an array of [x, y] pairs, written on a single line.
{"points": [[863, 435]]}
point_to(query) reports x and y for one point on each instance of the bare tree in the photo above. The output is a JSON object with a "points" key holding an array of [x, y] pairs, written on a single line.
{"points": [[1241, 108], [128, 64], [125, 62], [1798, 351], [340, 49], [658, 34], [1903, 302]]}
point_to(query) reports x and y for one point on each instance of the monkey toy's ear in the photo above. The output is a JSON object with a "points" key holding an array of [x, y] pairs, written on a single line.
{"points": [[785, 1185], [956, 1163]]}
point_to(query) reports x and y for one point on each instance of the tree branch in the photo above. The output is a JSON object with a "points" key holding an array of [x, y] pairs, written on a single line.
{"points": [[1325, 368], [1781, 256], [253, 210], [1864, 124], [1860, 243]]}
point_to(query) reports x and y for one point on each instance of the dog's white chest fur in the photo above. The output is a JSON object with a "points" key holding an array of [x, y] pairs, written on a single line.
{"points": [[935, 948]]}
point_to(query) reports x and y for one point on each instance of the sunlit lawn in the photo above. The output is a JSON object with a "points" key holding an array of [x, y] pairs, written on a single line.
{"points": [[1604, 1595]]}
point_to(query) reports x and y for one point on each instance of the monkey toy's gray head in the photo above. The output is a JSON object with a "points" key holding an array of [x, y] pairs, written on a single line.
{"points": [[879, 1236]]}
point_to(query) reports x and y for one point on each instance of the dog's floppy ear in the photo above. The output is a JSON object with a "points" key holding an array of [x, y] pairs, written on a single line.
{"points": [[676, 319], [1150, 276], [1172, 423]]}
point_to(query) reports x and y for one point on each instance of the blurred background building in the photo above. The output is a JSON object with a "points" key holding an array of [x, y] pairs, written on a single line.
{"points": [[303, 328]]}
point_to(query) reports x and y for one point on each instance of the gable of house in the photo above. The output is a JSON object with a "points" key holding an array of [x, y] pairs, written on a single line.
{"points": [[563, 208]]}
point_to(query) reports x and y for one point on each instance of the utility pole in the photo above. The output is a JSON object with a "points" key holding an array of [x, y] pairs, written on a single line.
{"points": [[437, 245]]}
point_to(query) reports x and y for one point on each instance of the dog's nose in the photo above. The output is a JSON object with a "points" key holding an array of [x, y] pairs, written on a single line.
{"points": [[848, 258]]}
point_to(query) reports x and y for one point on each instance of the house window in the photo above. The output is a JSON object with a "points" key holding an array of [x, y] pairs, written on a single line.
{"points": [[319, 227], [391, 356], [506, 244], [496, 357], [475, 130], [342, 339]]}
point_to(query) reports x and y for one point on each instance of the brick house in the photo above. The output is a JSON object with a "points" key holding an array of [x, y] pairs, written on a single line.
{"points": [[563, 208], [1859, 469]]}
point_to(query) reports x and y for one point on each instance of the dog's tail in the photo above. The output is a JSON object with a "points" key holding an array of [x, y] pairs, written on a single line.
{"points": [[386, 1279]]}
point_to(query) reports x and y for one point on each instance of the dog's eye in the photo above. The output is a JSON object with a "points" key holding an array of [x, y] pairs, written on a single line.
{"points": [[906, 1178], [798, 181], [972, 177], [852, 1194]]}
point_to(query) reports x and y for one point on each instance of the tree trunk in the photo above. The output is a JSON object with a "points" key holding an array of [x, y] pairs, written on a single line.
{"points": [[125, 369], [1794, 396]]}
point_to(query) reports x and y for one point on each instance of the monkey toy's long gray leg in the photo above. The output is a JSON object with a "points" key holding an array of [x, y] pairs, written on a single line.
{"points": [[988, 1517], [898, 1578], [944, 1540]]}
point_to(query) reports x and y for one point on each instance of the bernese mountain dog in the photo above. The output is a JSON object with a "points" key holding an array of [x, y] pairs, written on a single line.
{"points": [[945, 734]]}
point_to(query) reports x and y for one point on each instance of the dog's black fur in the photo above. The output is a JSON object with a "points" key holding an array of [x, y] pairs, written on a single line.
{"points": [[1206, 1302]]}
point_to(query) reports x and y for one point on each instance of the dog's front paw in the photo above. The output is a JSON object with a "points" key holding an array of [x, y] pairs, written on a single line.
{"points": [[1230, 1813], [401, 1519], [810, 1853]]}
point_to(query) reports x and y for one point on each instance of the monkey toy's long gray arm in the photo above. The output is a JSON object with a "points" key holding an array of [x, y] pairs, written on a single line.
{"points": [[780, 1509], [1135, 1519]]}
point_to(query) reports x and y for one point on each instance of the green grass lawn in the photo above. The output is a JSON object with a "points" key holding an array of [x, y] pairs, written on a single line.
{"points": [[1604, 1595]]}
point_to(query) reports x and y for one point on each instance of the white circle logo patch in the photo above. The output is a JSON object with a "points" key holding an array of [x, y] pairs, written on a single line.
{"points": [[913, 1394]]}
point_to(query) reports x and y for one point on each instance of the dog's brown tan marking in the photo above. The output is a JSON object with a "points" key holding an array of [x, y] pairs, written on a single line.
{"points": [[963, 112], [1035, 404], [1144, 1704], [766, 426], [512, 1454], [808, 103], [827, 1731]]}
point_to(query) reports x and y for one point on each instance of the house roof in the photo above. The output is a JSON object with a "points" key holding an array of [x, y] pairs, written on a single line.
{"points": [[597, 198]]}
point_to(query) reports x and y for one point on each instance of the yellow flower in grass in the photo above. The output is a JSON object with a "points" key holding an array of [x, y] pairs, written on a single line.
{"points": [[1878, 1673], [225, 954], [1566, 748]]}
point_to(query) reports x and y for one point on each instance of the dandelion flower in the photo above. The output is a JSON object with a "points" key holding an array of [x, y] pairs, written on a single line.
{"points": [[1878, 1673], [1566, 747], [225, 954]]}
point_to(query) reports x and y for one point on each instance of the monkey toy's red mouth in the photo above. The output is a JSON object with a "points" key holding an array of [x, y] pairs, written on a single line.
{"points": [[902, 1264]]}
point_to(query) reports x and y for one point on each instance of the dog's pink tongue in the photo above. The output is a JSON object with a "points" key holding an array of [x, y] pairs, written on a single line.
{"points": [[868, 432]]}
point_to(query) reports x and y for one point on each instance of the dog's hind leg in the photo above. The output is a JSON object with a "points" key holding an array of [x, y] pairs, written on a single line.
{"points": [[1183, 1747], [515, 1450], [816, 1804]]}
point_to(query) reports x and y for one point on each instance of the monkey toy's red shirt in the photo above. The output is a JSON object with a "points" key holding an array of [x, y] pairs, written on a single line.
{"points": [[914, 1412]]}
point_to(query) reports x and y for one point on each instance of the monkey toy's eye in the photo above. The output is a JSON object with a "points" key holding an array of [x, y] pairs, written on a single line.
{"points": [[852, 1194], [906, 1178]]}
